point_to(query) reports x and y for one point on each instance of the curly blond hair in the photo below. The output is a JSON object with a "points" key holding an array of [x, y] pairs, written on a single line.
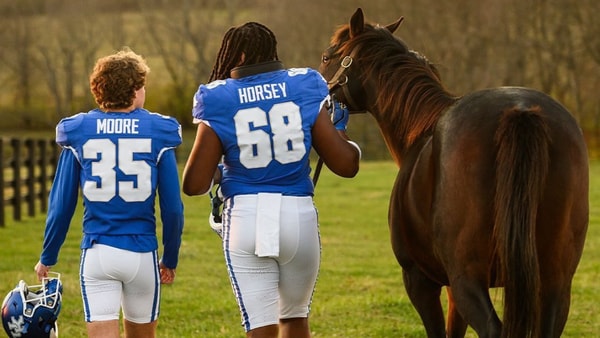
{"points": [[116, 78]]}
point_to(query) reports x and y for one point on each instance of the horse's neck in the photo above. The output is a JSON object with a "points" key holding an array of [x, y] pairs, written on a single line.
{"points": [[395, 152], [402, 130]]}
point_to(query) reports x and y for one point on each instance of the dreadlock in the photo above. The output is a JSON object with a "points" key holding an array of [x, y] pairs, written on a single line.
{"points": [[255, 41]]}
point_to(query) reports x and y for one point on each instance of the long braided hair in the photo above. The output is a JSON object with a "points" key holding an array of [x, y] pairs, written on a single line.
{"points": [[254, 41]]}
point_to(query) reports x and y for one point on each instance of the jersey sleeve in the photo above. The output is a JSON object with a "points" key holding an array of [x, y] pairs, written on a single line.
{"points": [[315, 93], [198, 106], [172, 132], [321, 83], [322, 89], [168, 131], [65, 129], [215, 90]]}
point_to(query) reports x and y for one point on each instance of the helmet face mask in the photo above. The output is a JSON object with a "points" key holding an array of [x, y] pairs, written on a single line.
{"points": [[215, 218], [32, 311]]}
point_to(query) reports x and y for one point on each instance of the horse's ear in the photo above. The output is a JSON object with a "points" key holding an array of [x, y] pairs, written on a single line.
{"points": [[393, 26], [357, 23]]}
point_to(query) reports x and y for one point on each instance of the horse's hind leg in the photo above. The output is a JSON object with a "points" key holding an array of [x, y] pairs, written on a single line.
{"points": [[555, 310], [457, 326], [557, 265], [425, 297], [473, 301]]}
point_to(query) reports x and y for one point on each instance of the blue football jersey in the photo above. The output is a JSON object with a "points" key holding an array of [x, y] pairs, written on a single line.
{"points": [[117, 156], [264, 122]]}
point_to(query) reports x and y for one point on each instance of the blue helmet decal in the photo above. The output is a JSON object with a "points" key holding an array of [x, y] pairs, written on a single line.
{"points": [[32, 311]]}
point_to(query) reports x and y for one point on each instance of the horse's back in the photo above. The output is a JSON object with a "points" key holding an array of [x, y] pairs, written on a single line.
{"points": [[482, 109], [471, 125]]}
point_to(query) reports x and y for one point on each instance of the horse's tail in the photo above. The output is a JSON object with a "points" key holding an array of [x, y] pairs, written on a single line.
{"points": [[522, 165]]}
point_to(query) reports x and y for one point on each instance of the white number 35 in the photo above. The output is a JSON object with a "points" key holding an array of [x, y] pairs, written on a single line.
{"points": [[108, 156]]}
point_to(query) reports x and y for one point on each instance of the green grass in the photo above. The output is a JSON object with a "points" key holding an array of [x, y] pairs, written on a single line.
{"points": [[359, 292]]}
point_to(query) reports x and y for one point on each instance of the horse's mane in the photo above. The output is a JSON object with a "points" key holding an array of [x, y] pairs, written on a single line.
{"points": [[410, 94]]}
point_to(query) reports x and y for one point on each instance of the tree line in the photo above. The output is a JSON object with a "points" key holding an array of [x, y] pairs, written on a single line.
{"points": [[49, 48]]}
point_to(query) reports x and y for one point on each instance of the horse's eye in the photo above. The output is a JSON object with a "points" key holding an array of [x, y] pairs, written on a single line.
{"points": [[324, 59]]}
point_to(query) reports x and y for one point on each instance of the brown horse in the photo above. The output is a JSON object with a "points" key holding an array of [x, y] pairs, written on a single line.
{"points": [[492, 189]]}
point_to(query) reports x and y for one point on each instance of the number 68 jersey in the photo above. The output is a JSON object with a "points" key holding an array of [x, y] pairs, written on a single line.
{"points": [[264, 122]]}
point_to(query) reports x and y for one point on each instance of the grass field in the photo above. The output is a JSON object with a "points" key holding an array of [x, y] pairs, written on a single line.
{"points": [[359, 292]]}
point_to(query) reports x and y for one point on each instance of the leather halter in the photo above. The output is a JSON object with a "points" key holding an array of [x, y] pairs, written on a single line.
{"points": [[340, 79]]}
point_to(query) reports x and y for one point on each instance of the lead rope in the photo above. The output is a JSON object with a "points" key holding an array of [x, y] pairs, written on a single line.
{"points": [[317, 171]]}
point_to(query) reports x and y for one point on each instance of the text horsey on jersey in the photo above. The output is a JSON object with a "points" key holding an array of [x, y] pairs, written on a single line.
{"points": [[261, 92]]}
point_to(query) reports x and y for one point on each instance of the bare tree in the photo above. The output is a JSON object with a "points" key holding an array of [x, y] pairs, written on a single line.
{"points": [[185, 35], [50, 47], [586, 16], [68, 51], [19, 37]]}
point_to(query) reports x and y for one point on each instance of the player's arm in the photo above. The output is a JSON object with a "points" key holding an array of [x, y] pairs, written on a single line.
{"points": [[201, 165], [62, 202], [171, 208], [341, 155]]}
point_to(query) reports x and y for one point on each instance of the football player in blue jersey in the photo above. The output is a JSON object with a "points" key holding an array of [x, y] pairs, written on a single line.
{"points": [[263, 120], [121, 156]]}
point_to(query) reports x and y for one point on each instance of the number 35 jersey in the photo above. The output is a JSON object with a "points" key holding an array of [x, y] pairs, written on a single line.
{"points": [[264, 122], [119, 156]]}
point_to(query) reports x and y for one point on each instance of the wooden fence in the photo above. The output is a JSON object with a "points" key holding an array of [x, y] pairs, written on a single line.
{"points": [[27, 168]]}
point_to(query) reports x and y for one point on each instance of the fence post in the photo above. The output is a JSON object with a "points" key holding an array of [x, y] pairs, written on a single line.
{"points": [[30, 161], [16, 184], [2, 202], [26, 175], [43, 196]]}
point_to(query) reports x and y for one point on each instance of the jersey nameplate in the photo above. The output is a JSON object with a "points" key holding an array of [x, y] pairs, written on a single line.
{"points": [[117, 126], [262, 92]]}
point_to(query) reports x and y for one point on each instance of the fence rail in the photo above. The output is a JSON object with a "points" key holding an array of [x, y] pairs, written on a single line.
{"points": [[27, 168]]}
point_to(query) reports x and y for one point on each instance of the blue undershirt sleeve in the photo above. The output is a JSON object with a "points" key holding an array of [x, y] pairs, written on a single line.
{"points": [[62, 202], [171, 208]]}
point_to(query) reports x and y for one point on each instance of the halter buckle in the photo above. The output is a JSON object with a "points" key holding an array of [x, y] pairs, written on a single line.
{"points": [[347, 61]]}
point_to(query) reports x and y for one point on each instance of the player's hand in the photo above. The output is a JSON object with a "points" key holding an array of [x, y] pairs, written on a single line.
{"points": [[167, 276], [339, 114], [41, 270]]}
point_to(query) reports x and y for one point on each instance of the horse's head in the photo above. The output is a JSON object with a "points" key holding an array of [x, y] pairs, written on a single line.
{"points": [[340, 62], [369, 69]]}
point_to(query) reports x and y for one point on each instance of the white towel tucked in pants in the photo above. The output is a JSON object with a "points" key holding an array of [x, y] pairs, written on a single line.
{"points": [[268, 211]]}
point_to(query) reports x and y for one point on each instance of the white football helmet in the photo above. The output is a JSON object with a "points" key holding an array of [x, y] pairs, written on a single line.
{"points": [[215, 218]]}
